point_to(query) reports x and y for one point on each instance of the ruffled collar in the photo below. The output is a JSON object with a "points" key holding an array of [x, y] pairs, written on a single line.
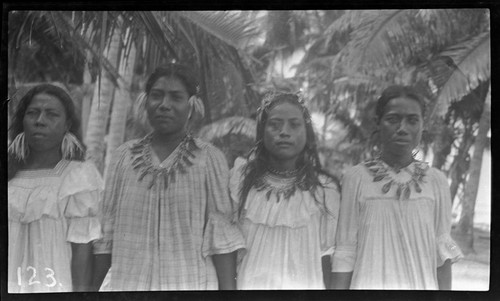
{"points": [[178, 161], [56, 171], [415, 173]]}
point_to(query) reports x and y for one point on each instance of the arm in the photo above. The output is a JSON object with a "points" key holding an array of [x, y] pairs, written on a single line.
{"points": [[81, 266], [225, 266], [326, 265], [102, 262], [444, 276], [341, 281], [344, 257]]}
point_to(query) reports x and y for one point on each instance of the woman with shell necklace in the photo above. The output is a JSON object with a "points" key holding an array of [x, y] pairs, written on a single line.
{"points": [[288, 205], [167, 209], [395, 214]]}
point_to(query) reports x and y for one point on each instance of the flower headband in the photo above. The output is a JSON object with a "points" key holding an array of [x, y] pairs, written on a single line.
{"points": [[270, 98]]}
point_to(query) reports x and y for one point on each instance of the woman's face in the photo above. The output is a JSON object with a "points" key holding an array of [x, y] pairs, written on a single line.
{"points": [[400, 127], [285, 132], [167, 105], [45, 122]]}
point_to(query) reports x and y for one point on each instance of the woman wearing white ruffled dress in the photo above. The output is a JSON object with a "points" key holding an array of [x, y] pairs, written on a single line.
{"points": [[288, 206], [53, 197]]}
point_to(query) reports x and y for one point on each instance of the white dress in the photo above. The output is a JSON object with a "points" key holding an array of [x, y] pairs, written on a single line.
{"points": [[390, 242], [49, 209], [285, 238]]}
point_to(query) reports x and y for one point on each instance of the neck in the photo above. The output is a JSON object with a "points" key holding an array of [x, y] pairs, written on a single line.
{"points": [[283, 164], [397, 160], [168, 140], [43, 159]]}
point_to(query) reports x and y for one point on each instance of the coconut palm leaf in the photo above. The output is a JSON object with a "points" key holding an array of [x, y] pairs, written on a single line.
{"points": [[236, 125], [371, 31], [227, 26], [469, 63]]}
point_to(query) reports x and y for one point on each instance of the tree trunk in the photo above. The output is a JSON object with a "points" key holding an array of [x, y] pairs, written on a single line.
{"points": [[101, 103], [442, 144], [87, 96], [121, 104], [466, 222]]}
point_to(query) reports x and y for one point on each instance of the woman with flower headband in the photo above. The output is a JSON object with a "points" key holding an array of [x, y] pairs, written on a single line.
{"points": [[53, 196], [395, 215], [288, 204], [167, 209]]}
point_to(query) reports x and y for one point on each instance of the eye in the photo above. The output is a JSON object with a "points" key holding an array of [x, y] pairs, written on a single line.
{"points": [[273, 124], [30, 113], [155, 95], [296, 124], [392, 119], [413, 120]]}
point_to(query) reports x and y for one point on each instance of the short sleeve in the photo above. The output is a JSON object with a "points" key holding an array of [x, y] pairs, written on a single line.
{"points": [[329, 218], [82, 186], [110, 200], [446, 246], [221, 234], [346, 241]]}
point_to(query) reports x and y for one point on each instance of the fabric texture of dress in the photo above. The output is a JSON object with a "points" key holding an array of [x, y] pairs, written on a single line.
{"points": [[391, 242], [161, 232], [286, 238], [49, 209]]}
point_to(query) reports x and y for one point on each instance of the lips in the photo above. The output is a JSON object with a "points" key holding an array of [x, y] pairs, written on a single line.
{"points": [[163, 118], [38, 135], [284, 144]]}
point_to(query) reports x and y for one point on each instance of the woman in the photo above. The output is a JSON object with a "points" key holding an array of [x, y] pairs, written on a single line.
{"points": [[166, 204], [288, 206], [395, 214], [53, 196]]}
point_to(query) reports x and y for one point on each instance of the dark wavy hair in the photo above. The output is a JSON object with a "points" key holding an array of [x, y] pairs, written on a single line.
{"points": [[181, 72], [308, 161], [17, 120]]}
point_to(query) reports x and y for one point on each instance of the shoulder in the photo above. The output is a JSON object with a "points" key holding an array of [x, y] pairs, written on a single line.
{"points": [[81, 176], [209, 149], [436, 176], [357, 170]]}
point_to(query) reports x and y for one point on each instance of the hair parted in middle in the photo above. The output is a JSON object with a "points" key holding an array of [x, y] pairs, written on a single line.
{"points": [[308, 163]]}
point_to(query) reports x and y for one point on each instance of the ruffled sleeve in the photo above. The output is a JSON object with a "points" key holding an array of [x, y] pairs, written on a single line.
{"points": [[344, 258], [82, 186], [110, 200], [446, 246], [222, 234], [329, 219]]}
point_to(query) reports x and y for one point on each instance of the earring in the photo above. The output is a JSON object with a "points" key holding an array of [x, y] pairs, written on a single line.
{"points": [[70, 146], [18, 148]]}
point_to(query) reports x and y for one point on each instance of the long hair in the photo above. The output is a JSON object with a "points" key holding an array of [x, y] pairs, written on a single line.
{"points": [[17, 120], [308, 161]]}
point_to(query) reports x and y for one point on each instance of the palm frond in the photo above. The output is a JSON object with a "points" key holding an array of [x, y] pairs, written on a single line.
{"points": [[225, 25], [369, 44], [470, 63], [236, 125]]}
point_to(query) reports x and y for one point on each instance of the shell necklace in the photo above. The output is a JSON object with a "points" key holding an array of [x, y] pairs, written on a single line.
{"points": [[380, 171]]}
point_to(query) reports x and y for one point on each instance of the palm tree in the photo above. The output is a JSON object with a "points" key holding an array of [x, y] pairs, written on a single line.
{"points": [[445, 53], [202, 39]]}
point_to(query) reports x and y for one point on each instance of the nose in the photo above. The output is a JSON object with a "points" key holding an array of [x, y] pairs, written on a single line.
{"points": [[40, 119], [403, 128], [165, 104], [284, 132]]}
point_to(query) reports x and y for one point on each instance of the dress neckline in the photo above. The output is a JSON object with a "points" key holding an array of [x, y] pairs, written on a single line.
{"points": [[55, 171]]}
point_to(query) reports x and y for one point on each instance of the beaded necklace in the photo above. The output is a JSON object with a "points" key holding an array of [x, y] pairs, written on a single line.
{"points": [[380, 171], [282, 183], [143, 163]]}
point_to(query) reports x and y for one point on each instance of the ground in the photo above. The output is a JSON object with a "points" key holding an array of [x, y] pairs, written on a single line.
{"points": [[472, 273]]}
